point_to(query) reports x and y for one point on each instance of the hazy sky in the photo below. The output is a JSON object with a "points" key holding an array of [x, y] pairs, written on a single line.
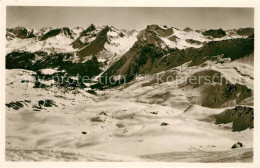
{"points": [[130, 18]]}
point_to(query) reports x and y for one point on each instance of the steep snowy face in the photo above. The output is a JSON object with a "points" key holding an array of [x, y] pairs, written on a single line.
{"points": [[119, 42], [58, 40], [108, 44]]}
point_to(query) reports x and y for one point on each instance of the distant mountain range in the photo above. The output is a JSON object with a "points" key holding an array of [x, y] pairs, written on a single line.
{"points": [[108, 51]]}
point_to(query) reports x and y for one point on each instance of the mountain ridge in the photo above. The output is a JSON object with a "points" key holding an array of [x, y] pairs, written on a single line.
{"points": [[128, 53]]}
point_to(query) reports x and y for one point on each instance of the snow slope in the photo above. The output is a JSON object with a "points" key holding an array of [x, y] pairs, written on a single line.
{"points": [[125, 122]]}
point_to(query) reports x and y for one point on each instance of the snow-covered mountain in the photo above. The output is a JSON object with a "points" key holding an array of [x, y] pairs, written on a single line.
{"points": [[160, 48], [156, 114], [108, 43], [114, 52]]}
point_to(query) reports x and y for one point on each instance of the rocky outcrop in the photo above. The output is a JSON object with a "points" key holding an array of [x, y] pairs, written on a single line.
{"points": [[191, 41], [224, 95], [216, 90], [245, 31], [237, 145], [241, 117], [217, 33]]}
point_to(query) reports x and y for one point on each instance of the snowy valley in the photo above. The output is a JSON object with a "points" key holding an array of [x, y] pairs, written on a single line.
{"points": [[60, 105]]}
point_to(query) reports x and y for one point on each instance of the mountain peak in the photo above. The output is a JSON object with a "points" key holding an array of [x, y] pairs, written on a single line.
{"points": [[161, 30], [187, 29], [91, 27]]}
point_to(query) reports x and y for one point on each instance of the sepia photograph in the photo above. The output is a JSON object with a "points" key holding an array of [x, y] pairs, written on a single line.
{"points": [[129, 84]]}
